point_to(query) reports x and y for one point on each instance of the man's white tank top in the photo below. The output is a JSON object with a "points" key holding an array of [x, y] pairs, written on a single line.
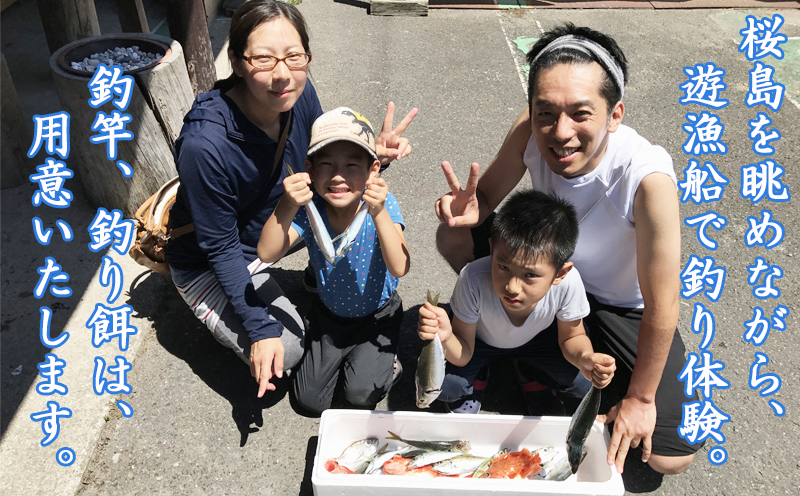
{"points": [[606, 252]]}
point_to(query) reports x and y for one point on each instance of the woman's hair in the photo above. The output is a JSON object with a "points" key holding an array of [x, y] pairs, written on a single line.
{"points": [[248, 18], [609, 90]]}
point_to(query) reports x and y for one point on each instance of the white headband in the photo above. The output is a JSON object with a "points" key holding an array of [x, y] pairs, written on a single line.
{"points": [[589, 47]]}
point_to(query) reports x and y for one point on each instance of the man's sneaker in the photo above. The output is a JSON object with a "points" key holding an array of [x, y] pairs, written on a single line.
{"points": [[309, 279], [472, 402], [397, 371]]}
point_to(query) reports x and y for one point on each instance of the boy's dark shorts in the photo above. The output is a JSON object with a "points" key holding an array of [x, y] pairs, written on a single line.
{"points": [[615, 331]]}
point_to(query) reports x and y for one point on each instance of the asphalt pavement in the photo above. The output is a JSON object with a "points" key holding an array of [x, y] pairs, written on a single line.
{"points": [[197, 426]]}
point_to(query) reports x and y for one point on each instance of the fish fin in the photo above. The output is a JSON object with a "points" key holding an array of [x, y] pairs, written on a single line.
{"points": [[433, 299], [383, 449], [394, 437]]}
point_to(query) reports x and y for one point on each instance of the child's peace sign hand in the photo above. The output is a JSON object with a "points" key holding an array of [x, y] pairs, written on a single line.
{"points": [[389, 144]]}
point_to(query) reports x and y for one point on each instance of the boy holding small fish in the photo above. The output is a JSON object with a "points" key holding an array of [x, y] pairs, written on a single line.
{"points": [[354, 324], [525, 301]]}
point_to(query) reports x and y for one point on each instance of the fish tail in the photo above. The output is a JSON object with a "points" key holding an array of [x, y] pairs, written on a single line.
{"points": [[394, 437]]}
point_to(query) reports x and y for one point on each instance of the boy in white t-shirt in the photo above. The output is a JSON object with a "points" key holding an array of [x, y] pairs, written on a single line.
{"points": [[526, 301]]}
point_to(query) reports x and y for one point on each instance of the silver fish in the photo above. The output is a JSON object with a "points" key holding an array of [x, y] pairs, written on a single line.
{"points": [[482, 470], [382, 456], [461, 464], [555, 466], [351, 233], [462, 446], [358, 455], [318, 228], [431, 457], [579, 427], [430, 367]]}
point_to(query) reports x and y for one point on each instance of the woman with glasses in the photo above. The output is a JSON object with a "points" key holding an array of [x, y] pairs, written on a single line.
{"points": [[231, 157]]}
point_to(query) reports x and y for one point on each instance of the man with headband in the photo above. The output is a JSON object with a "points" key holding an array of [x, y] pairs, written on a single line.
{"points": [[572, 142]]}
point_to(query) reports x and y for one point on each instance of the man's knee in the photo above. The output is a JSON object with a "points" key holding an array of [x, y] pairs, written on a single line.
{"points": [[670, 465], [455, 245]]}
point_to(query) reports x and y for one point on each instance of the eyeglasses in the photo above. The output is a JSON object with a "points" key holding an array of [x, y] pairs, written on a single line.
{"points": [[268, 62]]}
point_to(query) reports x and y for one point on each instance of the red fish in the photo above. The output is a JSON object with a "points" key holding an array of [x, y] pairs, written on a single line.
{"points": [[399, 466], [517, 465], [334, 468]]}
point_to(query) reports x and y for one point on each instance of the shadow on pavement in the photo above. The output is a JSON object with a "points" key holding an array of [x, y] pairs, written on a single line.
{"points": [[306, 489], [20, 347], [181, 334]]}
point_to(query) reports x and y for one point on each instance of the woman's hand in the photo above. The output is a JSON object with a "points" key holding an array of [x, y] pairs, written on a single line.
{"points": [[297, 190], [389, 144], [266, 360]]}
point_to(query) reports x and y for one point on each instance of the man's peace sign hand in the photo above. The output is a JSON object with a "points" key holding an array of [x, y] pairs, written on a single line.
{"points": [[459, 207]]}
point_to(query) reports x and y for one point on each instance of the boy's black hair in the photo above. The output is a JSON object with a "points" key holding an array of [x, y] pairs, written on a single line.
{"points": [[539, 224], [608, 88]]}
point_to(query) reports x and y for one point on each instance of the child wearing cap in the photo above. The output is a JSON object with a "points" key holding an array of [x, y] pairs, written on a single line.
{"points": [[354, 324]]}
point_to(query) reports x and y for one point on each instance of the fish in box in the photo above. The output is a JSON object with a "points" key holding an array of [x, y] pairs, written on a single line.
{"points": [[486, 434]]}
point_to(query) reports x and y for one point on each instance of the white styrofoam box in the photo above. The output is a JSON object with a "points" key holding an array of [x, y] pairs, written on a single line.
{"points": [[486, 433]]}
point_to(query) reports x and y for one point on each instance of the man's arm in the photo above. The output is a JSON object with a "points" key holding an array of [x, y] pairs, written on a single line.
{"points": [[658, 251], [507, 167]]}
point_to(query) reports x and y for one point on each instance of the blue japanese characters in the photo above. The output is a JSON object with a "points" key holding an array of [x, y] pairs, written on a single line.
{"points": [[705, 184], [107, 230]]}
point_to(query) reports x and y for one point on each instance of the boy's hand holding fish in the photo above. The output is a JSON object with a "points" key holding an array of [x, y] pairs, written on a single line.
{"points": [[297, 193], [297, 189], [393, 243], [434, 320], [598, 368], [375, 195]]}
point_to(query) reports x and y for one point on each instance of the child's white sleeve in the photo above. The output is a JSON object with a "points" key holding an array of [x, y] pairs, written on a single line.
{"points": [[574, 304], [466, 297]]}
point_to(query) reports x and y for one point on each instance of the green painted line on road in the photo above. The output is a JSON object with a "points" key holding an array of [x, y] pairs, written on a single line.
{"points": [[509, 4], [524, 43]]}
